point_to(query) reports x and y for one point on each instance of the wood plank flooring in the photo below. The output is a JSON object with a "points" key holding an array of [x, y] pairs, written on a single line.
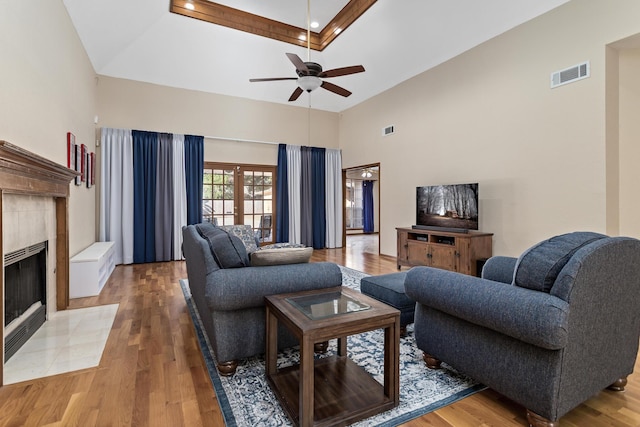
{"points": [[152, 372]]}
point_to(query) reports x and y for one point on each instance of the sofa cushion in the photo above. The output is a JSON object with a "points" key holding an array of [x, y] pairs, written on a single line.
{"points": [[227, 249], [279, 256], [538, 267]]}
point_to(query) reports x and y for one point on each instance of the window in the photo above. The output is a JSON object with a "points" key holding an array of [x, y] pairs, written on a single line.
{"points": [[240, 194]]}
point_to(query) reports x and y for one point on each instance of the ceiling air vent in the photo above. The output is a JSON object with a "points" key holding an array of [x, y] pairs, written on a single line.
{"points": [[388, 130], [569, 75]]}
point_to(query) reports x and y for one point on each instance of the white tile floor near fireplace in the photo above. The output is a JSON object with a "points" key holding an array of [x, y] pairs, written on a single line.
{"points": [[68, 341]]}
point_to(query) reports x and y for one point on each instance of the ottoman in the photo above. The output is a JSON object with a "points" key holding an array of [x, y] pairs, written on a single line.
{"points": [[389, 288]]}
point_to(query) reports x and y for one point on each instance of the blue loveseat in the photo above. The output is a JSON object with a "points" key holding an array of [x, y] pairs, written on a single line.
{"points": [[548, 330], [229, 293]]}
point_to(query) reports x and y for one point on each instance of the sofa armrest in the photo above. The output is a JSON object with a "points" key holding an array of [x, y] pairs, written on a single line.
{"points": [[530, 316], [240, 288], [499, 269]]}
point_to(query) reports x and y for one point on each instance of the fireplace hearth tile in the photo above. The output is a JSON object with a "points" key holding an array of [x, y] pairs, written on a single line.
{"points": [[69, 341]]}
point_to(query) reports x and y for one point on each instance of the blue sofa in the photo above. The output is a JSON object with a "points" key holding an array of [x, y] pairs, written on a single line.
{"points": [[548, 330], [229, 293]]}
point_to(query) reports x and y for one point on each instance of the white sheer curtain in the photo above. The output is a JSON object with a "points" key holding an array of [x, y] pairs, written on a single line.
{"points": [[179, 195], [294, 172], [116, 192], [333, 188]]}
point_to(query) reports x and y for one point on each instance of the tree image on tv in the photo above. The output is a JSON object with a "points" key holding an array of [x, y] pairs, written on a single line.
{"points": [[448, 206]]}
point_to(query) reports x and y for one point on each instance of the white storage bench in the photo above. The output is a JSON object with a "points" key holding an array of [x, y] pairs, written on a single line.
{"points": [[90, 269]]}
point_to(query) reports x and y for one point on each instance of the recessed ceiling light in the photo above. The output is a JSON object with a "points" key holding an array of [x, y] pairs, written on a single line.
{"points": [[302, 37], [337, 31], [189, 5], [315, 24]]}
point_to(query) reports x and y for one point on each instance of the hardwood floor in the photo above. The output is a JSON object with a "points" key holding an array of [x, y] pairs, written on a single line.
{"points": [[152, 372]]}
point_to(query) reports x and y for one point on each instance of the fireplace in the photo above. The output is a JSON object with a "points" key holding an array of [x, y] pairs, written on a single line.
{"points": [[25, 295], [44, 184]]}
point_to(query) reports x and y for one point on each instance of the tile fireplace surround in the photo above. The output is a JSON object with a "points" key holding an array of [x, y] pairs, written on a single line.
{"points": [[26, 181]]}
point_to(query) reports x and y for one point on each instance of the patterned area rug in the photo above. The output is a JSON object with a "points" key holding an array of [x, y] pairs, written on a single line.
{"points": [[247, 400]]}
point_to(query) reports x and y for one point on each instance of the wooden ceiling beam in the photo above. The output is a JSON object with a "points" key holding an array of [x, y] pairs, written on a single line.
{"points": [[243, 21]]}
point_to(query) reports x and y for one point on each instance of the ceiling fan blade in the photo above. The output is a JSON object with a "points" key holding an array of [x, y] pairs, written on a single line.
{"points": [[335, 89], [342, 71], [296, 94], [272, 79], [299, 64]]}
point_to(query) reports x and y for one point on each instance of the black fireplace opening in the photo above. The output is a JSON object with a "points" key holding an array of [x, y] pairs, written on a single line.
{"points": [[25, 282]]}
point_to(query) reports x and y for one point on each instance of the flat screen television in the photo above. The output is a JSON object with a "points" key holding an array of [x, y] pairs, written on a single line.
{"points": [[452, 207]]}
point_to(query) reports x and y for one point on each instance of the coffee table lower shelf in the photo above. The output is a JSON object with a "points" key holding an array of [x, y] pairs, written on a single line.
{"points": [[347, 392]]}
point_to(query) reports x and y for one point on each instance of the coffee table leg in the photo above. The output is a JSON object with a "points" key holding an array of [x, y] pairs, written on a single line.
{"points": [[306, 383], [391, 362], [272, 343], [342, 346]]}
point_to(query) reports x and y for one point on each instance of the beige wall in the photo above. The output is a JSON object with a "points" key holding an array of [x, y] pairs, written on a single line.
{"points": [[629, 101], [489, 116], [133, 105], [47, 88]]}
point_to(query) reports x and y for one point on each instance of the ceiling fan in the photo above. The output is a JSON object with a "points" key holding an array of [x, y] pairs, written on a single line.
{"points": [[310, 74]]}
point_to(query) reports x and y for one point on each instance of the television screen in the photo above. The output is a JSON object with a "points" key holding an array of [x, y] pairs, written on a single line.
{"points": [[448, 206]]}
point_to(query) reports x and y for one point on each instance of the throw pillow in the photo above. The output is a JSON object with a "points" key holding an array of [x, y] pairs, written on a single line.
{"points": [[538, 267], [244, 233], [281, 256], [227, 250]]}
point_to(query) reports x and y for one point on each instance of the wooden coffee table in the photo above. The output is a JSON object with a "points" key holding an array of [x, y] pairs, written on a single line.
{"points": [[332, 390]]}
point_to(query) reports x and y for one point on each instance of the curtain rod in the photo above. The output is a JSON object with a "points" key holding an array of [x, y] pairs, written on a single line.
{"points": [[223, 138]]}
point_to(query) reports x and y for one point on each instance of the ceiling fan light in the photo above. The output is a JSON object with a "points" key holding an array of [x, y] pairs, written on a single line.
{"points": [[366, 173], [309, 83]]}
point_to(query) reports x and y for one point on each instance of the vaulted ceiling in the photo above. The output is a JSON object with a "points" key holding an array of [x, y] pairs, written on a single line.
{"points": [[218, 46]]}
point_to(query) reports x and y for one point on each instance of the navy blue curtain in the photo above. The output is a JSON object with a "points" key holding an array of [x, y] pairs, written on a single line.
{"points": [[367, 206], [282, 197], [145, 154], [194, 169], [318, 203]]}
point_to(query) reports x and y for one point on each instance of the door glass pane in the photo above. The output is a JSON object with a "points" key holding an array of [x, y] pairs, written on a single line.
{"points": [[258, 206], [228, 207]]}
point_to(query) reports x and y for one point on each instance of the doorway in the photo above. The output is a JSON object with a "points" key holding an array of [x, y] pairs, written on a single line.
{"points": [[361, 207]]}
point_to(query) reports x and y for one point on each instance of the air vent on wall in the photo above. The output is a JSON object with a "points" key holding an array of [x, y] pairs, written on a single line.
{"points": [[571, 74], [388, 130]]}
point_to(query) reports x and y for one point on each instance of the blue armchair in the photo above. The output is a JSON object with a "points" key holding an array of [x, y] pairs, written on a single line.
{"points": [[548, 330]]}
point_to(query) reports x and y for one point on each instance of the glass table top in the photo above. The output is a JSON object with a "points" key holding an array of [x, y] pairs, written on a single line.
{"points": [[327, 305]]}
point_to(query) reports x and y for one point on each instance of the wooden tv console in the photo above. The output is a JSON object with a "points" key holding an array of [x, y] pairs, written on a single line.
{"points": [[443, 249]]}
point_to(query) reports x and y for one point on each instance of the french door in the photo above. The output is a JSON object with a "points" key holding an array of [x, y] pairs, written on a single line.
{"points": [[240, 194]]}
